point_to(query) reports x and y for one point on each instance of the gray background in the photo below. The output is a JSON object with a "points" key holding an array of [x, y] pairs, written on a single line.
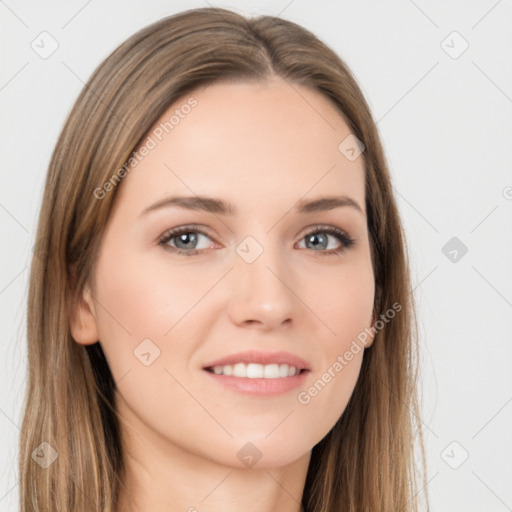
{"points": [[445, 118]]}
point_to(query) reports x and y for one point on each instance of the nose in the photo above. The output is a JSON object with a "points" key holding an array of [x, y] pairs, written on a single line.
{"points": [[262, 291]]}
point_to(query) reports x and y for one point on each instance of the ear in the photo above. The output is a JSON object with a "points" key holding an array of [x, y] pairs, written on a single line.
{"points": [[83, 319]]}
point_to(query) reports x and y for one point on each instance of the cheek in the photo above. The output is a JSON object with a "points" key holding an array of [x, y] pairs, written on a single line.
{"points": [[326, 396], [153, 300], [140, 304], [343, 302], [144, 299], [344, 307]]}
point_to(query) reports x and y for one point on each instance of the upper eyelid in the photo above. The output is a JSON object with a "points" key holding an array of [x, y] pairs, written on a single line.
{"points": [[172, 232]]}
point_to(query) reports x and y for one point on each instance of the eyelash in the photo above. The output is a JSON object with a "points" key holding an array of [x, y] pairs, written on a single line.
{"points": [[346, 240]]}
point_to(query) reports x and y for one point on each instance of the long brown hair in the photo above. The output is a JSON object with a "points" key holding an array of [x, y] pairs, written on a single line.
{"points": [[366, 462]]}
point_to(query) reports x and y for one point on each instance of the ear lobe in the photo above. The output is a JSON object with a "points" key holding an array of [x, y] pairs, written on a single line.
{"points": [[83, 319]]}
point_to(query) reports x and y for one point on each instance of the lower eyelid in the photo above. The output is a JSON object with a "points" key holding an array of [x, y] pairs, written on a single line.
{"points": [[167, 237], [342, 237]]}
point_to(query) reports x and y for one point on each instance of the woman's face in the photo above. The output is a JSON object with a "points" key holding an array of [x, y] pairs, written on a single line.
{"points": [[260, 278]]}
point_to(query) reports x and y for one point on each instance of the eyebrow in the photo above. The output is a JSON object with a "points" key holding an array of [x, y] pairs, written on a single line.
{"points": [[221, 207]]}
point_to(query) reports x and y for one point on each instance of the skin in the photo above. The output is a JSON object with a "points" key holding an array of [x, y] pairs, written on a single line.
{"points": [[262, 146]]}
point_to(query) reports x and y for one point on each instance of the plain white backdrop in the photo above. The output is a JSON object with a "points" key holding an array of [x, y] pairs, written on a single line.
{"points": [[438, 77]]}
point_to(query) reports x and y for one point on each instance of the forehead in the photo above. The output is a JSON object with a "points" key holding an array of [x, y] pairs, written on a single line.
{"points": [[247, 141]]}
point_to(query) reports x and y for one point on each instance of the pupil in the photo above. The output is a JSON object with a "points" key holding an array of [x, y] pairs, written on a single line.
{"points": [[312, 237], [183, 237]]}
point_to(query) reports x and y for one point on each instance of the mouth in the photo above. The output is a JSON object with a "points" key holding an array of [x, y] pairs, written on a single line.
{"points": [[258, 380], [257, 371]]}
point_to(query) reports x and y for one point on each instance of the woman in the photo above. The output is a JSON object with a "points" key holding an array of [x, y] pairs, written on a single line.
{"points": [[219, 312]]}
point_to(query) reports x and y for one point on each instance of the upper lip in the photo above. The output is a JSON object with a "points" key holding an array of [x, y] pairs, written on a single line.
{"points": [[259, 357]]}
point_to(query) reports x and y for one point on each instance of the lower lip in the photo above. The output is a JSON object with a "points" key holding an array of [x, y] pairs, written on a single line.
{"points": [[260, 387]]}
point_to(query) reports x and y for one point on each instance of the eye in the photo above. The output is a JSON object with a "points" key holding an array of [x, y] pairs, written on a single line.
{"points": [[318, 237], [186, 238]]}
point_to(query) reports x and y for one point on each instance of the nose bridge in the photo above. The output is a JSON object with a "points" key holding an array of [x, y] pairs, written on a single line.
{"points": [[260, 288]]}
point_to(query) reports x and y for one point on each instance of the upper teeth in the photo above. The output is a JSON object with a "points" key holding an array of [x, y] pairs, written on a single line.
{"points": [[256, 371]]}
